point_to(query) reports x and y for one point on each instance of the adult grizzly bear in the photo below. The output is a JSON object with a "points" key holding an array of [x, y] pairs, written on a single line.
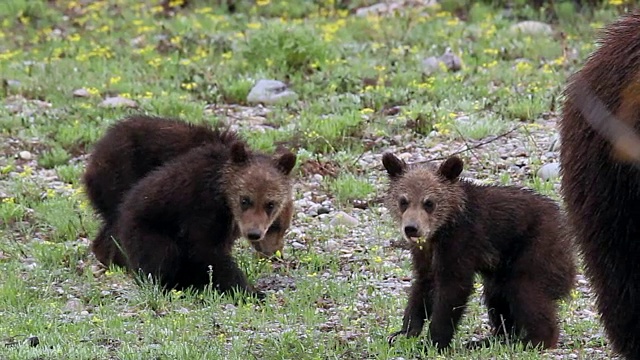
{"points": [[178, 223], [599, 158], [511, 236], [135, 146]]}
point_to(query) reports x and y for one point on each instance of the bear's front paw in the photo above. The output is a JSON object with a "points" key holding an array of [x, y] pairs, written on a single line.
{"points": [[392, 338], [410, 332]]}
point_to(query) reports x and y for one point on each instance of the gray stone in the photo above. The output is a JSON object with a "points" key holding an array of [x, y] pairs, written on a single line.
{"points": [[531, 27], [448, 61], [118, 101], [25, 155], [82, 92], [342, 218], [549, 171], [270, 92]]}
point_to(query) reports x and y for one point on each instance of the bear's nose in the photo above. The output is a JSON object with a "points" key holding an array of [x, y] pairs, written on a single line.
{"points": [[254, 235], [411, 231]]}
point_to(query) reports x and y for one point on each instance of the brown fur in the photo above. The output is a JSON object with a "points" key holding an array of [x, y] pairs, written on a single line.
{"points": [[134, 147], [180, 220], [511, 236], [601, 178]]}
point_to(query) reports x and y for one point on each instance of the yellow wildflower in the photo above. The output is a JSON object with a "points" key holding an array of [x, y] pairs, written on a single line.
{"points": [[189, 86]]}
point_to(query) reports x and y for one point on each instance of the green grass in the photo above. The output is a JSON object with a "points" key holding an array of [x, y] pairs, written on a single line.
{"points": [[360, 85]]}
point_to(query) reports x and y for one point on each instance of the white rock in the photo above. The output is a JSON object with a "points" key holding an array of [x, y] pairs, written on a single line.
{"points": [[331, 245], [342, 218], [532, 27], [118, 101], [549, 171], [298, 246], [451, 62], [430, 65], [25, 155], [82, 92], [270, 92]]}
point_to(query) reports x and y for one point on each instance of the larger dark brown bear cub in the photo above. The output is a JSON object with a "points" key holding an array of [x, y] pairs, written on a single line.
{"points": [[177, 224], [510, 236], [599, 159], [131, 149]]}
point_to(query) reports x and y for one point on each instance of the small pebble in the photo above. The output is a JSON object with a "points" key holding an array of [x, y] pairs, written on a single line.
{"points": [[118, 101], [298, 246], [342, 218], [81, 93], [25, 155]]}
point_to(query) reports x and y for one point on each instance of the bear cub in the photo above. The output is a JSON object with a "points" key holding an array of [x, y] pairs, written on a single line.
{"points": [[130, 150], [511, 236], [178, 223]]}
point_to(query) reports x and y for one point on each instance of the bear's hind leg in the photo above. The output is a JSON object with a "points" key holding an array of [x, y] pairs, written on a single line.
{"points": [[535, 315], [498, 310]]}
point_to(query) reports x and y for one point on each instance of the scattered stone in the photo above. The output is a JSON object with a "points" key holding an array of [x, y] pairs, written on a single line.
{"points": [[531, 27], [342, 218], [18, 104], [118, 101], [298, 246], [25, 155], [447, 61], [270, 92], [549, 171], [331, 245], [73, 305], [313, 209], [387, 7], [82, 92]]}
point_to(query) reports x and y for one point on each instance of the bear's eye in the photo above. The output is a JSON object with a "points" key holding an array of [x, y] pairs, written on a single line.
{"points": [[270, 206], [245, 202], [403, 203], [429, 206]]}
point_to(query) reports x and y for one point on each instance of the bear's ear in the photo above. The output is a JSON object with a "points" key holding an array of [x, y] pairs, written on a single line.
{"points": [[286, 162], [239, 153], [451, 168], [395, 167]]}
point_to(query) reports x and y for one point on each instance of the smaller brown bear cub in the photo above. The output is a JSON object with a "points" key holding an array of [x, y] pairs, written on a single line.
{"points": [[511, 236], [131, 149], [178, 223]]}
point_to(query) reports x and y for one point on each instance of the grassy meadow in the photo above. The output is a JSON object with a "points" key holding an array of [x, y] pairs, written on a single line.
{"points": [[361, 89]]}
